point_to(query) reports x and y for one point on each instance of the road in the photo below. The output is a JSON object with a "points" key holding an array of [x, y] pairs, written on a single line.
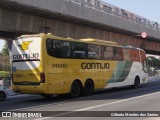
{"points": [[146, 98]]}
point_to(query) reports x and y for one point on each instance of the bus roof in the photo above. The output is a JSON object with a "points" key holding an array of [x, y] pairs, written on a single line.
{"points": [[99, 41], [87, 40], [132, 47], [33, 35]]}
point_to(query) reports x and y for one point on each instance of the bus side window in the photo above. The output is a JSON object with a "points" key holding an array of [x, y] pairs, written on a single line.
{"points": [[94, 51], [66, 50], [49, 46], [120, 54], [78, 50], [126, 54], [143, 56], [79, 54], [115, 53], [107, 53], [62, 49], [58, 49]]}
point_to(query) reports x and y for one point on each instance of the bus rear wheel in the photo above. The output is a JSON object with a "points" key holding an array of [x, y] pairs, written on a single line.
{"points": [[88, 87], [136, 82], [75, 90]]}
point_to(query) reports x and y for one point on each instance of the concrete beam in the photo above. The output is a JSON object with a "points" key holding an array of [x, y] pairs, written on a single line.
{"points": [[13, 21], [65, 9]]}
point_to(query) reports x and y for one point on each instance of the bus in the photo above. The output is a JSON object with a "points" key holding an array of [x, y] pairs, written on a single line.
{"points": [[50, 65]]}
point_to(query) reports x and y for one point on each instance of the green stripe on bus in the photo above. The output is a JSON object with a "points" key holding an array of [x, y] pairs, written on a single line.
{"points": [[121, 72]]}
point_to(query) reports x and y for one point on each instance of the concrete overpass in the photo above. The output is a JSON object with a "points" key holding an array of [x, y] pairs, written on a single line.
{"points": [[78, 19]]}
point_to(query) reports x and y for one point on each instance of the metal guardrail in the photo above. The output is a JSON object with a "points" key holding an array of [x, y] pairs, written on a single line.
{"points": [[113, 10]]}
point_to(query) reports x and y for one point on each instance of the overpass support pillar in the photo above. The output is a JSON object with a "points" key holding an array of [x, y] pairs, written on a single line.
{"points": [[9, 44]]}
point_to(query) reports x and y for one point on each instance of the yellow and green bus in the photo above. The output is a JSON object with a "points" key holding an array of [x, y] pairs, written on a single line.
{"points": [[50, 65]]}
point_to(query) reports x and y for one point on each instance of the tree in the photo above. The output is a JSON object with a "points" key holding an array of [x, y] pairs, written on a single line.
{"points": [[153, 62], [5, 50], [4, 59]]}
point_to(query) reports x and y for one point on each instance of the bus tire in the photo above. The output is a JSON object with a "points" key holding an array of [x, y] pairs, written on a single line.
{"points": [[47, 96], [75, 89], [88, 88], [2, 96], [136, 82]]}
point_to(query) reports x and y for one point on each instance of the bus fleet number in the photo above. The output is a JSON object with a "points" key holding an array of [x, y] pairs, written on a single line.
{"points": [[59, 65]]}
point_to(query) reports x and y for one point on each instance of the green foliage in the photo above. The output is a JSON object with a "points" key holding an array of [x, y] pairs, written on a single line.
{"points": [[4, 58], [153, 62], [4, 63], [5, 50], [3, 74]]}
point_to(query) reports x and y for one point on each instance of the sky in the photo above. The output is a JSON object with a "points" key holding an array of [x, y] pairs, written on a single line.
{"points": [[2, 42], [146, 8]]}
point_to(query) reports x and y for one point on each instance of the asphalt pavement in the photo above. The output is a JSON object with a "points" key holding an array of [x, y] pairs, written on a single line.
{"points": [[146, 98]]}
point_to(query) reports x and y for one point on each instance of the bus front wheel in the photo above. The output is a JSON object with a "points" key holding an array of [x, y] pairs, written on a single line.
{"points": [[75, 90], [88, 87], [136, 82]]}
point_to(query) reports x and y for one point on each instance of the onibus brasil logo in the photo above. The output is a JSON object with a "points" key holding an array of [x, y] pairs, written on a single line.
{"points": [[25, 45]]}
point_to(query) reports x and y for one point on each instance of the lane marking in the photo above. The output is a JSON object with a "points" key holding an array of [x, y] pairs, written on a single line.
{"points": [[106, 104], [117, 102]]}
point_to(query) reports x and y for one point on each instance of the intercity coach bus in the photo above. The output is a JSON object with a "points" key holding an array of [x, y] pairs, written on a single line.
{"points": [[50, 65]]}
